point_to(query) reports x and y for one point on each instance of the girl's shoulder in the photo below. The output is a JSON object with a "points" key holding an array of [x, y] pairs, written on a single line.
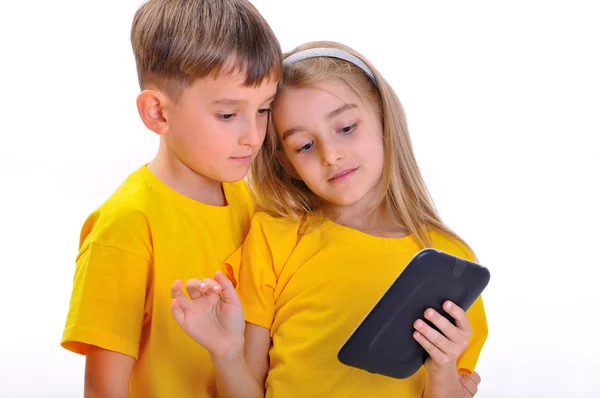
{"points": [[451, 245]]}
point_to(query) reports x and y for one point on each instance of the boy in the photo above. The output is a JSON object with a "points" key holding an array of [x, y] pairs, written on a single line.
{"points": [[208, 71]]}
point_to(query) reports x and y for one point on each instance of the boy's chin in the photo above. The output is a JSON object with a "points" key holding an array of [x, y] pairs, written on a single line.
{"points": [[233, 175]]}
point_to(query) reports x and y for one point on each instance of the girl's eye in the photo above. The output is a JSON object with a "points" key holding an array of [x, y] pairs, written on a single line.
{"points": [[304, 147], [226, 116], [347, 129], [264, 111]]}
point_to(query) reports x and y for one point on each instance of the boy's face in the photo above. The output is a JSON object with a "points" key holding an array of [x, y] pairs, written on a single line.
{"points": [[218, 125]]}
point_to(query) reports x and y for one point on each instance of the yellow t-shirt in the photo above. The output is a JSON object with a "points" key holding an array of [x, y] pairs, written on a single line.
{"points": [[312, 290], [143, 238]]}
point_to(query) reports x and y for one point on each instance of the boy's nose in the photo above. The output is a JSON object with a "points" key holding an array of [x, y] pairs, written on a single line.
{"points": [[252, 134]]}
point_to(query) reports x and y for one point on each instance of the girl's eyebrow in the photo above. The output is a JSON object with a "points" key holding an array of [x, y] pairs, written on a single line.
{"points": [[340, 110], [329, 116]]}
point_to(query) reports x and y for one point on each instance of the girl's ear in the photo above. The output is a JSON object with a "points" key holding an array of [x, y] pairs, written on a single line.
{"points": [[287, 165]]}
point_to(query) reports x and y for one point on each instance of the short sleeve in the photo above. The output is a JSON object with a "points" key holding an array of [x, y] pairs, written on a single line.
{"points": [[479, 331], [251, 268], [108, 299], [257, 266]]}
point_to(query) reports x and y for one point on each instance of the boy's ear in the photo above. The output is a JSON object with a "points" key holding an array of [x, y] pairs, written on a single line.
{"points": [[152, 110], [287, 165]]}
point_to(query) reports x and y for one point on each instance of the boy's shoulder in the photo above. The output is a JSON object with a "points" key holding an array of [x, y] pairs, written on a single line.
{"points": [[123, 215]]}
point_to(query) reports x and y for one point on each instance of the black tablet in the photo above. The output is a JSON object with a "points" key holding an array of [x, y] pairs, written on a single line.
{"points": [[383, 343]]}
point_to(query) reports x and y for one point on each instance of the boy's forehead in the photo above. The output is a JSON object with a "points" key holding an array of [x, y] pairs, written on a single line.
{"points": [[229, 87], [243, 73]]}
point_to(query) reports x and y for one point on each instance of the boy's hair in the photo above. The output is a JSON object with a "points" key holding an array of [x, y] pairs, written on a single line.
{"points": [[403, 190], [176, 42]]}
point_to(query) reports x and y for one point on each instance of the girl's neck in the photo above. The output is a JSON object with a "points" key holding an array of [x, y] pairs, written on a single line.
{"points": [[379, 222]]}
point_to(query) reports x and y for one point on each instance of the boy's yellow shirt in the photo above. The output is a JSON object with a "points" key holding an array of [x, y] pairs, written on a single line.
{"points": [[132, 249], [311, 289]]}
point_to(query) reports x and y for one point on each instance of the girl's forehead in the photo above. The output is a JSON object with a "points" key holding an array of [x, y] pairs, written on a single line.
{"points": [[317, 97]]}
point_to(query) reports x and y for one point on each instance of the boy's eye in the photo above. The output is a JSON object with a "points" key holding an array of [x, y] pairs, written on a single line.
{"points": [[226, 116], [347, 129], [264, 111], [305, 147]]}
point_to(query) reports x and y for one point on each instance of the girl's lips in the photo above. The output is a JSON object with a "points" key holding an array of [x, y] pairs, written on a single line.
{"points": [[342, 176]]}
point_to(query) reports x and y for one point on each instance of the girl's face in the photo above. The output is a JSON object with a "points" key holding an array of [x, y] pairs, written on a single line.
{"points": [[332, 141]]}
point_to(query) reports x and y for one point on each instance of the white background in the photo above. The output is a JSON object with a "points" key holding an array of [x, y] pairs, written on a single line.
{"points": [[503, 105]]}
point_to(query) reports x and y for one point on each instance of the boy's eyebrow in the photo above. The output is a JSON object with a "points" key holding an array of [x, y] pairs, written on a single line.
{"points": [[228, 101], [233, 101], [329, 116]]}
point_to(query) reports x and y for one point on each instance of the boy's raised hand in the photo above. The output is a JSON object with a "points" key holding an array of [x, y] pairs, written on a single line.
{"points": [[212, 315]]}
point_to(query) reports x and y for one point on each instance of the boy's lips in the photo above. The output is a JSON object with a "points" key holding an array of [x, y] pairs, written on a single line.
{"points": [[342, 175], [241, 159]]}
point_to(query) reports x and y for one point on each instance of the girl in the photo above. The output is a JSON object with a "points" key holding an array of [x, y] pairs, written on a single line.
{"points": [[345, 209]]}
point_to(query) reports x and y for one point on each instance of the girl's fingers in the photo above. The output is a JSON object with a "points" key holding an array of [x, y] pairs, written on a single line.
{"points": [[445, 326], [462, 321], [434, 337], [468, 384], [435, 353], [475, 377]]}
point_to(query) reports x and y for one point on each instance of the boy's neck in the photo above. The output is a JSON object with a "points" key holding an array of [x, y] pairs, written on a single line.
{"points": [[181, 178]]}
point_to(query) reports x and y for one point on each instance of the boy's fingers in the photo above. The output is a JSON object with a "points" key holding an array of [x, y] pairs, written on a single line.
{"points": [[177, 312], [462, 321], [210, 286], [177, 294], [197, 288], [194, 288], [229, 294]]}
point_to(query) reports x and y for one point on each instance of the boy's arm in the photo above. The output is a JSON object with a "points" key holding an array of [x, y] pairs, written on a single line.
{"points": [[258, 344], [243, 375], [108, 299], [107, 373], [213, 317]]}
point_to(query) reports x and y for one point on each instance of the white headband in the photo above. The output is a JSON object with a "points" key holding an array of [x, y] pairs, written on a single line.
{"points": [[332, 53]]}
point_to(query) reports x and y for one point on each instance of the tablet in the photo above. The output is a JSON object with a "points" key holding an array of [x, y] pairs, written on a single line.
{"points": [[383, 342]]}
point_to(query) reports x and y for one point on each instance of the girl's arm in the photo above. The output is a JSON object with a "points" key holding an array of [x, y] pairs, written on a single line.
{"points": [[213, 317], [448, 385], [444, 349]]}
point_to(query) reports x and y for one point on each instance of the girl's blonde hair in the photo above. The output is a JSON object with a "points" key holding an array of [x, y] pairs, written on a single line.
{"points": [[403, 191]]}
